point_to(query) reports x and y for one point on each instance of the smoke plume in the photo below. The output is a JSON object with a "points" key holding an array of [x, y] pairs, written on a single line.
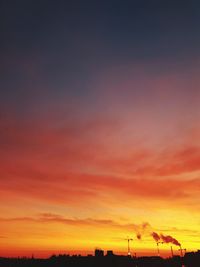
{"points": [[139, 236], [169, 239], [155, 236], [165, 239], [141, 230]]}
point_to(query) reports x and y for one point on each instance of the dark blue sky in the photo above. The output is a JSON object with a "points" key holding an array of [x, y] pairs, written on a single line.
{"points": [[51, 49]]}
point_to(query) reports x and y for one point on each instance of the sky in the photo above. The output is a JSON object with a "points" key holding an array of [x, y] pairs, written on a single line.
{"points": [[99, 126]]}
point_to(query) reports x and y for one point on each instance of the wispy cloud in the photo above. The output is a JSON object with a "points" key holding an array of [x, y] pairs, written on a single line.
{"points": [[76, 222]]}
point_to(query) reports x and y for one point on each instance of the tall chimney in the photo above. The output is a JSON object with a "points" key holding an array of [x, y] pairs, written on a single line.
{"points": [[181, 251], [172, 252]]}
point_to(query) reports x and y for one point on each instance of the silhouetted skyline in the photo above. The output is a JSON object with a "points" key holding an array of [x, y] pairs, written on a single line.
{"points": [[191, 259]]}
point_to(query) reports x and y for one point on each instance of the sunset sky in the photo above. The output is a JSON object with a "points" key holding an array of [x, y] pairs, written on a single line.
{"points": [[99, 126]]}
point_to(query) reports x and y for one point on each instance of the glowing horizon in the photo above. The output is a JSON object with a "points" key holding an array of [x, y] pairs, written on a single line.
{"points": [[99, 130]]}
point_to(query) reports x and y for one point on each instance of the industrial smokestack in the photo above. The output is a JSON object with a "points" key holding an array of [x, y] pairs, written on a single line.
{"points": [[160, 238], [181, 252], [156, 237], [172, 252]]}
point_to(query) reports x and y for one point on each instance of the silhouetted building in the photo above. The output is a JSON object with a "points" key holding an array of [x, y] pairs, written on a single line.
{"points": [[99, 253], [192, 259], [110, 253]]}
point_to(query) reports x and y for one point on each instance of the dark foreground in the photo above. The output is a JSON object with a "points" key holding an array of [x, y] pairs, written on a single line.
{"points": [[189, 260]]}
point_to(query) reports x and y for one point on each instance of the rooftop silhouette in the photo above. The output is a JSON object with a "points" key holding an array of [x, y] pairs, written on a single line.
{"points": [[190, 259]]}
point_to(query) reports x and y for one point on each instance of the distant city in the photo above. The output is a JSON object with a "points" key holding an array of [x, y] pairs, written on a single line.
{"points": [[105, 258]]}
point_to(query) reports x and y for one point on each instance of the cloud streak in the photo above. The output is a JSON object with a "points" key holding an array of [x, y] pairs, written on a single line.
{"points": [[76, 222]]}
